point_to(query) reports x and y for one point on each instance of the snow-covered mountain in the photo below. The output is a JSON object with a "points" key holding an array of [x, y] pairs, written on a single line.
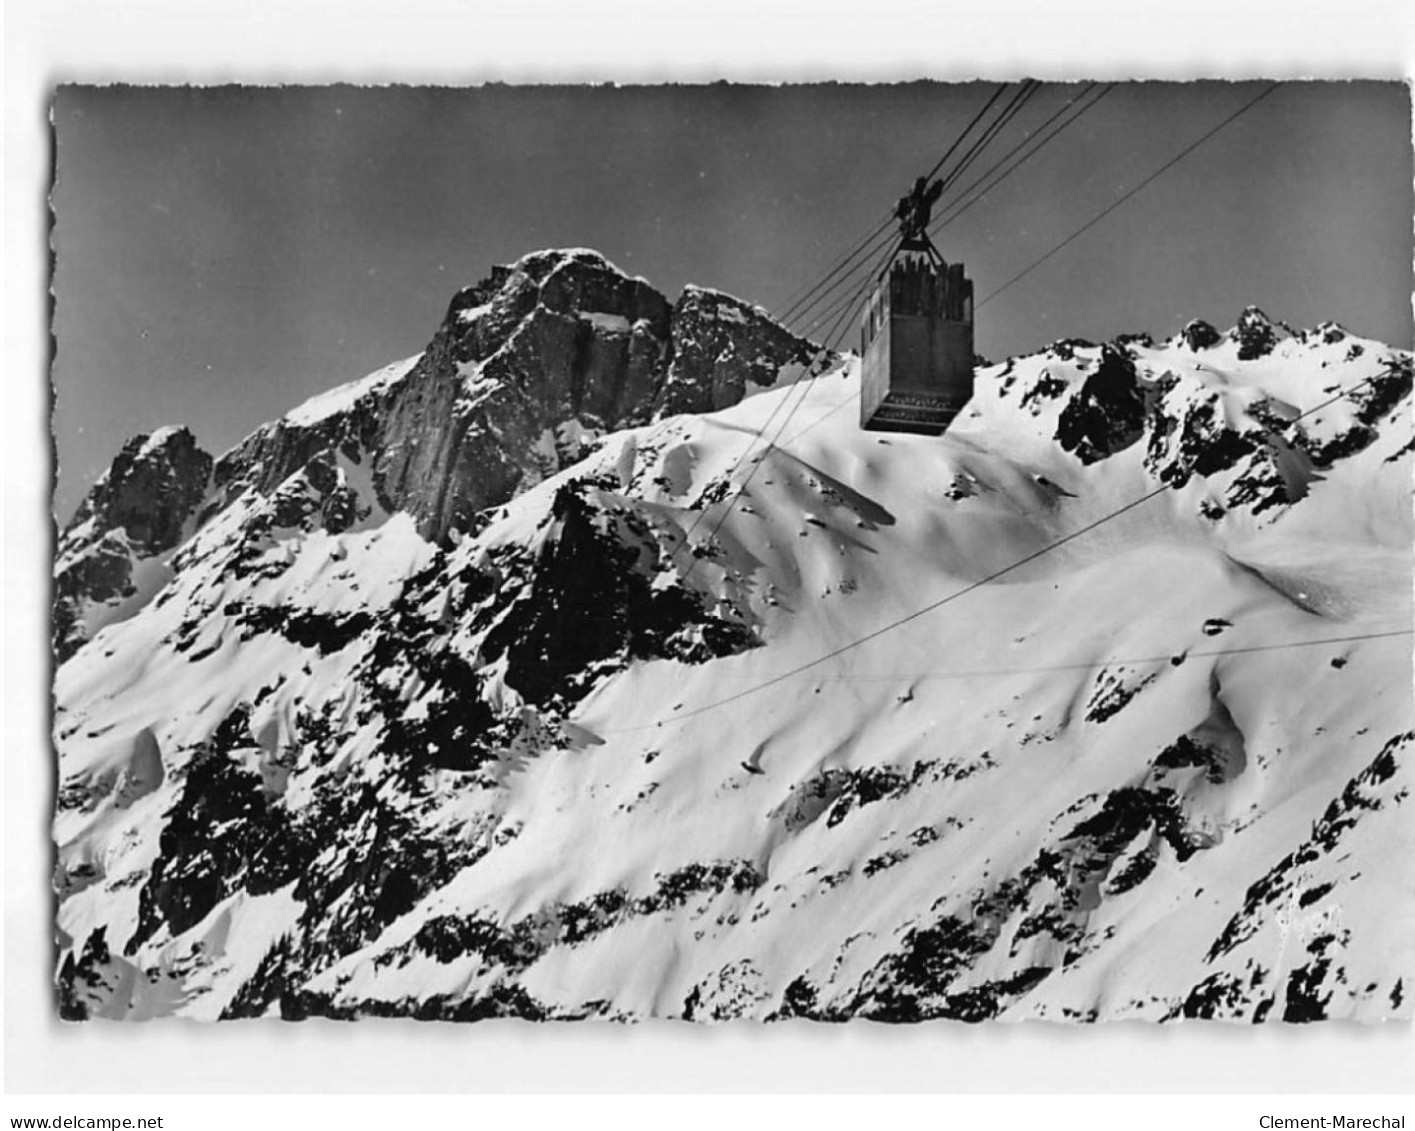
{"points": [[527, 369], [525, 677]]}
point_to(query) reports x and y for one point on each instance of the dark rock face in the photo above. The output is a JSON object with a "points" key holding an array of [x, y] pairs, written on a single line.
{"points": [[1111, 845], [1290, 882], [1199, 335], [527, 368], [588, 602], [1191, 428], [1192, 437], [150, 490], [270, 455], [138, 509], [595, 591], [1382, 393], [1191, 431], [1328, 333], [101, 573], [1255, 334], [219, 839], [720, 344], [1368, 790], [560, 337], [1192, 434], [369, 785], [1107, 414], [1066, 348]]}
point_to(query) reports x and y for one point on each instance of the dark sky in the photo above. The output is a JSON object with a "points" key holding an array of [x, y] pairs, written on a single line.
{"points": [[224, 253]]}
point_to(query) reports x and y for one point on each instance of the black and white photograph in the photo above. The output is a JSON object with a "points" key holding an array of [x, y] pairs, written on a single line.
{"points": [[722, 551]]}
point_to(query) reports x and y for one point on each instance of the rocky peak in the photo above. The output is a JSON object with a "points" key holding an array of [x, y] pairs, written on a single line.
{"points": [[528, 368], [1199, 335], [577, 284], [150, 489], [1107, 413], [1098, 401], [357, 773], [139, 509], [561, 339], [1255, 334], [720, 346], [1327, 333]]}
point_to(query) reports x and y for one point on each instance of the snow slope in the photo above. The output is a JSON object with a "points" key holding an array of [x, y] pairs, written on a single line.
{"points": [[847, 725]]}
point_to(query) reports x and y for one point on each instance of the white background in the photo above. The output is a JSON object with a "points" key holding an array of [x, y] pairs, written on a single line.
{"points": [[601, 40]]}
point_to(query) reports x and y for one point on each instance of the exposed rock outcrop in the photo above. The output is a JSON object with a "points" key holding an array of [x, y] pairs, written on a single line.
{"points": [[720, 346], [1107, 413], [528, 368], [1199, 335], [1255, 334], [138, 510], [396, 713], [526, 364]]}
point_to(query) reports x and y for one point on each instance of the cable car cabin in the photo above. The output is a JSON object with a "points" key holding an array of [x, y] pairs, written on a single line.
{"points": [[917, 347]]}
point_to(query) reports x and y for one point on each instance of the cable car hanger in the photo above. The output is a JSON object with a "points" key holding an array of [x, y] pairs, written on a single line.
{"points": [[914, 211]]}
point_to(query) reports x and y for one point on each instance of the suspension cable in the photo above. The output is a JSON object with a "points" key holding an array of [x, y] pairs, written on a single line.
{"points": [[963, 591], [1019, 100], [793, 308], [1037, 140], [1089, 224], [806, 386]]}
